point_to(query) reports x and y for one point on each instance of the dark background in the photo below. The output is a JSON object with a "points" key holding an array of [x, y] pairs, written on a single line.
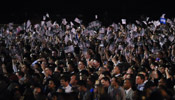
{"points": [[107, 11]]}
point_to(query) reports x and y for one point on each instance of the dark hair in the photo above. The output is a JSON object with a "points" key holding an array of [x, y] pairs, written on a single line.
{"points": [[154, 63], [20, 73], [51, 79], [106, 73], [65, 78], [92, 79], [118, 80], [130, 80], [119, 67], [82, 83], [82, 62], [60, 69], [141, 76], [149, 84], [76, 75], [41, 96], [106, 79], [52, 58]]}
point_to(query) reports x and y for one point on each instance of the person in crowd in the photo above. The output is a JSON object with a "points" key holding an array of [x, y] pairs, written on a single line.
{"points": [[140, 82], [81, 66], [74, 82], [65, 87], [36, 92], [84, 92], [48, 74], [48, 53], [115, 90], [117, 71], [128, 89]]}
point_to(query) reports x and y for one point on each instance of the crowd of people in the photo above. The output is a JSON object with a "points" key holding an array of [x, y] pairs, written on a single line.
{"points": [[73, 61]]}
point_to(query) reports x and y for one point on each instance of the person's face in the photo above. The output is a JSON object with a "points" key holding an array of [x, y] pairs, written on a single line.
{"points": [[95, 63], [116, 70], [51, 84], [36, 91], [162, 69], [152, 66], [101, 70], [63, 83], [113, 82], [47, 71], [104, 83], [127, 84], [91, 62], [69, 68], [80, 65], [23, 68], [87, 56], [129, 71], [43, 64], [139, 80]]}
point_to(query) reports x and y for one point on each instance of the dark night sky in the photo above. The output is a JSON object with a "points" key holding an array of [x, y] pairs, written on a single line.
{"points": [[107, 11]]}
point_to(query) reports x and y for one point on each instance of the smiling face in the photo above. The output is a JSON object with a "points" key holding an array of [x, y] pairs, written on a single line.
{"points": [[63, 83]]}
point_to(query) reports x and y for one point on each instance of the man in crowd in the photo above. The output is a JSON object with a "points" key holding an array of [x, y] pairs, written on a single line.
{"points": [[65, 87], [51, 46], [115, 90], [140, 82], [84, 92], [128, 89]]}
